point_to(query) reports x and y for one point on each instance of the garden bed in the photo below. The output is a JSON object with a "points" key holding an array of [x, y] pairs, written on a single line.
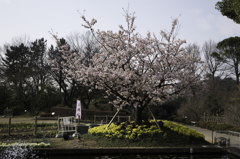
{"points": [[148, 134], [117, 135]]}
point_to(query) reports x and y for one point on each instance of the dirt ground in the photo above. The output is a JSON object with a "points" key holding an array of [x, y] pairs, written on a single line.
{"points": [[72, 143]]}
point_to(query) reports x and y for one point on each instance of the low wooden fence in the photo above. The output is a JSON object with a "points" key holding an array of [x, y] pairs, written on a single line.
{"points": [[27, 126]]}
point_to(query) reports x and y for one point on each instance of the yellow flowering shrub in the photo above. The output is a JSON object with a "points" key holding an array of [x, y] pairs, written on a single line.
{"points": [[126, 131], [131, 131]]}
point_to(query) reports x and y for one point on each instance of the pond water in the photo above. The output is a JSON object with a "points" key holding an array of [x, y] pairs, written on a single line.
{"points": [[21, 152], [169, 156]]}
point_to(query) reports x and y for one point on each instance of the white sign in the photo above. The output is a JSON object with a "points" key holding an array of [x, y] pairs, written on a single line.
{"points": [[78, 110]]}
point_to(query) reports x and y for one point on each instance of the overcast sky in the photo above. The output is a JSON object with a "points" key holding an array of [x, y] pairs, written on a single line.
{"points": [[199, 20]]}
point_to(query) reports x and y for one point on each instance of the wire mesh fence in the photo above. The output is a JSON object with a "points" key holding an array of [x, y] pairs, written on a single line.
{"points": [[227, 138], [104, 119]]}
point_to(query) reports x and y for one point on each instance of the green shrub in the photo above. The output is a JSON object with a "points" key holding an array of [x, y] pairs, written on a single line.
{"points": [[181, 129]]}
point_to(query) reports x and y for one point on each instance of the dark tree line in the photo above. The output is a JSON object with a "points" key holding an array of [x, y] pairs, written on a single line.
{"points": [[29, 80]]}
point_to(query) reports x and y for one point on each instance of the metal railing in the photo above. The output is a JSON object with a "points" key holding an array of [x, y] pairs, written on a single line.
{"points": [[227, 138], [104, 119]]}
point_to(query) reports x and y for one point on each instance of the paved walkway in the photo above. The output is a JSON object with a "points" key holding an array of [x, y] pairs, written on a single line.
{"points": [[234, 147], [210, 135], [207, 133]]}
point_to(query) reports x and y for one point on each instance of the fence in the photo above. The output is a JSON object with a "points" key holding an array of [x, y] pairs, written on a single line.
{"points": [[87, 115], [27, 126], [214, 119], [66, 124], [227, 138], [104, 119], [38, 127]]}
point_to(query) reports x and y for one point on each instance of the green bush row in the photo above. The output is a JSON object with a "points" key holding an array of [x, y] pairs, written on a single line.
{"points": [[181, 129]]}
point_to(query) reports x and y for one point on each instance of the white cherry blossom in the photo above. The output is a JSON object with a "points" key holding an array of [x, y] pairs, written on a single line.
{"points": [[135, 70]]}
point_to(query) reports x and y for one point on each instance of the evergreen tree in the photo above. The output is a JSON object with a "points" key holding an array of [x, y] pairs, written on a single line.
{"points": [[229, 53], [230, 8], [16, 63]]}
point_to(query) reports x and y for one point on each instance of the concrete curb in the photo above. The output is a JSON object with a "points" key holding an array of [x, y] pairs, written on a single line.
{"points": [[234, 151], [127, 151]]}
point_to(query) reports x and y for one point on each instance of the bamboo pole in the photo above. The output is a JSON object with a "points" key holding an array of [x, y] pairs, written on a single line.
{"points": [[112, 118], [154, 117]]}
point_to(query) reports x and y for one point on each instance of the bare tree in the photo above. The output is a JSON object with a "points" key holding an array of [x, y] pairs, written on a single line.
{"points": [[192, 109], [194, 50], [75, 41], [83, 43], [213, 65]]}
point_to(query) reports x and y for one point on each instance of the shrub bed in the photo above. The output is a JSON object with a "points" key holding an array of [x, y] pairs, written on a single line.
{"points": [[147, 134], [126, 130]]}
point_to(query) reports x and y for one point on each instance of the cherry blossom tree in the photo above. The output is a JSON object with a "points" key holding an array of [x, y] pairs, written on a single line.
{"points": [[135, 70]]}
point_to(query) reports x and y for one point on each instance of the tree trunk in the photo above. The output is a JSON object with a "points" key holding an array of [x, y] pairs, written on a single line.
{"points": [[236, 72], [237, 77], [138, 115]]}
